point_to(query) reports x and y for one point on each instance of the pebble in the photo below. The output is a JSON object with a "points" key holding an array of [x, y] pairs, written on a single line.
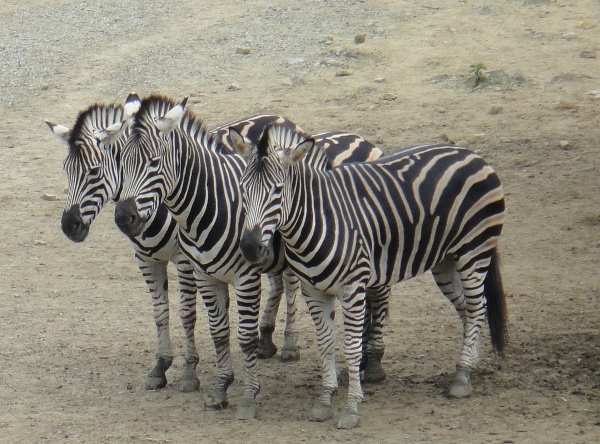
{"points": [[495, 109], [587, 54], [39, 242], [233, 87], [360, 38], [390, 97], [49, 197], [379, 80], [565, 144], [242, 50], [569, 36], [343, 73]]}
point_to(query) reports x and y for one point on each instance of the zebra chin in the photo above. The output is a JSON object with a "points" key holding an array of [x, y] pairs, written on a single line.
{"points": [[73, 226], [253, 250], [128, 219]]}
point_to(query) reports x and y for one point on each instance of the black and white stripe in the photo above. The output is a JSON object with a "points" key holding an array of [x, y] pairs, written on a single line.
{"points": [[170, 158], [358, 228]]}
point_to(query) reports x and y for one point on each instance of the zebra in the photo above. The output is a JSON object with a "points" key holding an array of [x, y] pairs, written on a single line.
{"points": [[93, 176], [171, 159], [92, 168], [365, 226]]}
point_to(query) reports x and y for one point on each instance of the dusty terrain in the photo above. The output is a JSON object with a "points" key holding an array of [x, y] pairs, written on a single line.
{"points": [[77, 336]]}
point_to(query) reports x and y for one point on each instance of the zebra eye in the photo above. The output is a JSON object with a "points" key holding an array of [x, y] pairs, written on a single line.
{"points": [[94, 172], [154, 163]]}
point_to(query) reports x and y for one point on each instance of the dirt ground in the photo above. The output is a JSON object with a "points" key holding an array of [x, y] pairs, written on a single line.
{"points": [[77, 335]]}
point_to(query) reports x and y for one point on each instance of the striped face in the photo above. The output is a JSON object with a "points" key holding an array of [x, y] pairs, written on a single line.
{"points": [[263, 187], [91, 166], [147, 163]]}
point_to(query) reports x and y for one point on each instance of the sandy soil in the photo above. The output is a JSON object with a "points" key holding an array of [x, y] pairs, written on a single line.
{"points": [[77, 332]]}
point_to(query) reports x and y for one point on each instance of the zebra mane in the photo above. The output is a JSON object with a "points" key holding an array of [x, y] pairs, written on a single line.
{"points": [[282, 138], [157, 105], [94, 118]]}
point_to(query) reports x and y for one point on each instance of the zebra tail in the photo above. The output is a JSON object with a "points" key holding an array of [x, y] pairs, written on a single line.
{"points": [[496, 305]]}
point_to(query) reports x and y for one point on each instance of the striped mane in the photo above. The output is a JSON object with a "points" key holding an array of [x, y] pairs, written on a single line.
{"points": [[157, 105], [95, 118], [280, 139]]}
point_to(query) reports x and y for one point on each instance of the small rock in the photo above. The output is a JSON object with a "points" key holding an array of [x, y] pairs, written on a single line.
{"points": [[463, 143], [343, 73], [379, 80], [360, 38], [242, 50], [565, 144], [587, 54], [390, 97], [49, 197], [495, 109], [233, 87], [44, 87], [569, 36], [39, 243], [595, 93]]}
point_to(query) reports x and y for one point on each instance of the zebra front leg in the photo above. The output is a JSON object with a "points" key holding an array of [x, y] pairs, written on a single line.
{"points": [[291, 350], [155, 274], [353, 309], [322, 311], [188, 382], [215, 296], [248, 302], [266, 348]]}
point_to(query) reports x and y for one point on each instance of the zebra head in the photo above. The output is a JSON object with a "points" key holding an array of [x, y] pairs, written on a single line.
{"points": [[92, 163], [264, 185], [147, 162]]}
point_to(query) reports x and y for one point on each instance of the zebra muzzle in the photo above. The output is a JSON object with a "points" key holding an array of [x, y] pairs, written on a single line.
{"points": [[73, 226], [128, 219], [252, 247]]}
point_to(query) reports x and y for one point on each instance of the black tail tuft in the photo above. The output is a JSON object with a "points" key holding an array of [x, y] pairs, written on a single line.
{"points": [[496, 305]]}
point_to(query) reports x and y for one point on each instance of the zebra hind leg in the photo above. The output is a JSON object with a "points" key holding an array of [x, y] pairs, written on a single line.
{"points": [[266, 347], [373, 350], [290, 351], [188, 381], [464, 289]]}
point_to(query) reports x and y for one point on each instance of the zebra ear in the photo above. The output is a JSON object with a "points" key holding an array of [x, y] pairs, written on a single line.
{"points": [[132, 105], [60, 131], [291, 156], [112, 132], [241, 144], [172, 118]]}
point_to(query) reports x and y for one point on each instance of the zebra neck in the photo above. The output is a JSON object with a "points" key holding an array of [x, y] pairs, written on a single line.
{"points": [[205, 198]]}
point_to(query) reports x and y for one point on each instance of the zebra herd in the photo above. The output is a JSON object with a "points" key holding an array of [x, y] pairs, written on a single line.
{"points": [[327, 214]]}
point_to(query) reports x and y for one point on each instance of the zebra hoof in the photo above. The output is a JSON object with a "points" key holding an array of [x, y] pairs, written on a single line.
{"points": [[461, 386], [374, 373], [246, 409], [266, 349], [348, 419], [155, 382], [216, 400], [321, 412], [290, 354], [189, 381]]}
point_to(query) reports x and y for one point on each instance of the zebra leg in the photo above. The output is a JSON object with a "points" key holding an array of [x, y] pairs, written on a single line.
{"points": [[353, 309], [471, 282], [290, 351], [188, 382], [155, 274], [215, 296], [266, 348], [248, 302], [374, 348], [322, 311]]}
